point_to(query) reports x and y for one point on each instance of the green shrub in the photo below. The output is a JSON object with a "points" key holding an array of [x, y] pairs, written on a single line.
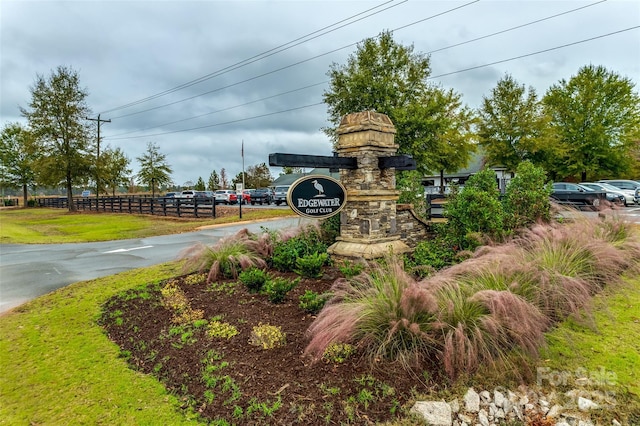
{"points": [[311, 264], [313, 302], [330, 229], [526, 198], [350, 269], [285, 253], [476, 208], [254, 279], [437, 253], [277, 288]]}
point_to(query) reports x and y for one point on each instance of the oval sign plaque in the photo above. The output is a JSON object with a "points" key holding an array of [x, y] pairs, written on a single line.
{"points": [[317, 196]]}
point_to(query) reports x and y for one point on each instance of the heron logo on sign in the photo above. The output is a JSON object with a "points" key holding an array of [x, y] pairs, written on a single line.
{"points": [[317, 196]]}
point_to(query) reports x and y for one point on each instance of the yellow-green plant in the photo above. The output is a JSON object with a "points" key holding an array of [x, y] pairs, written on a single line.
{"points": [[195, 279], [267, 336], [221, 329], [338, 352]]}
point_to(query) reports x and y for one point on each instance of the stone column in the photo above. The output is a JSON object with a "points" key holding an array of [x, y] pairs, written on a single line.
{"points": [[368, 226]]}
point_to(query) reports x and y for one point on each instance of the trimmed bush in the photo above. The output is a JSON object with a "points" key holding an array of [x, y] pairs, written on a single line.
{"points": [[254, 279], [526, 199], [287, 251], [313, 302], [277, 288], [311, 265]]}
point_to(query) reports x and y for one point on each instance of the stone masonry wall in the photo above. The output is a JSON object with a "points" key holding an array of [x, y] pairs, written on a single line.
{"points": [[411, 228]]}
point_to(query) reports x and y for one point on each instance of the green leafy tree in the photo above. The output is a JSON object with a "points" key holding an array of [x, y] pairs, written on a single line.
{"points": [[57, 116], [596, 117], [114, 169], [214, 181], [391, 79], [200, 186], [154, 169], [511, 124], [256, 176], [18, 156], [441, 132]]}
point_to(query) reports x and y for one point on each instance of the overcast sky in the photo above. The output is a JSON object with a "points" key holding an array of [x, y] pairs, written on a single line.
{"points": [[259, 68]]}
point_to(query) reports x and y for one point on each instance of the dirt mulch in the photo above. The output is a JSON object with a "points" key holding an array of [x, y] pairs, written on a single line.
{"points": [[229, 379]]}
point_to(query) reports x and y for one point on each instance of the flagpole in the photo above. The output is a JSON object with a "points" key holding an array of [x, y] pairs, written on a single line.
{"points": [[243, 187]]}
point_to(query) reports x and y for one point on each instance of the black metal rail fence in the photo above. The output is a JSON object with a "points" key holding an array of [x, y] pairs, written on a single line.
{"points": [[178, 207]]}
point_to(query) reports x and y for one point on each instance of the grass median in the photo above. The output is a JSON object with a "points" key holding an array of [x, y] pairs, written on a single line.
{"points": [[53, 226]]}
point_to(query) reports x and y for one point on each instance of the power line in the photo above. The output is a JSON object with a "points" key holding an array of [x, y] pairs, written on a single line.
{"points": [[222, 124], [286, 66], [430, 78], [535, 53], [262, 55], [326, 81]]}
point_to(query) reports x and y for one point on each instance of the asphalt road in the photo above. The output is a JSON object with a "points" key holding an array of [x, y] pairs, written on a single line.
{"points": [[31, 270]]}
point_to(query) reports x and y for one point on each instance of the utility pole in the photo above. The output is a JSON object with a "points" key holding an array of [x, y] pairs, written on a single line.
{"points": [[98, 158]]}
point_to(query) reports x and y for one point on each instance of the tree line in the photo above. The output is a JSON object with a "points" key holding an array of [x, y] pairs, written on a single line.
{"points": [[586, 127]]}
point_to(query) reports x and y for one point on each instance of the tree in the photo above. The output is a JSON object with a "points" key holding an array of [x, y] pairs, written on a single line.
{"points": [[289, 170], [57, 116], [439, 129], [18, 156], [214, 181], [596, 117], [199, 186], [391, 79], [154, 169], [257, 176], [511, 124], [114, 169], [224, 180]]}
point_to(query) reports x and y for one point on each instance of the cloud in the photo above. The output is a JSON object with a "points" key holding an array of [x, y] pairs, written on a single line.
{"points": [[128, 51]]}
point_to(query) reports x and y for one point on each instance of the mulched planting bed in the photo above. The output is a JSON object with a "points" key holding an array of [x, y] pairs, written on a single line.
{"points": [[229, 379]]}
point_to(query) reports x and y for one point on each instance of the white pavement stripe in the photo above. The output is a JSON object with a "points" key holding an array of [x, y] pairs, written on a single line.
{"points": [[125, 250]]}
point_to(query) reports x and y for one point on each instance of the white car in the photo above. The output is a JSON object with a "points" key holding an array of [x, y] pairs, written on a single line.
{"points": [[629, 197], [625, 184]]}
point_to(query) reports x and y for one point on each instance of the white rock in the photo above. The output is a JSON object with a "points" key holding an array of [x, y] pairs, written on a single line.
{"points": [[492, 410], [585, 404], [615, 423], [472, 401], [455, 405], [498, 398], [500, 414], [518, 412], [434, 413], [482, 418], [507, 405], [554, 411], [584, 423], [529, 407], [562, 423], [465, 419], [485, 397]]}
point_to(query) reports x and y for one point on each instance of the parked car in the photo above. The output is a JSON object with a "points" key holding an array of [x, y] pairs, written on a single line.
{"points": [[246, 196], [615, 195], [575, 194], [262, 196], [187, 193], [170, 197], [632, 185], [226, 196], [281, 194]]}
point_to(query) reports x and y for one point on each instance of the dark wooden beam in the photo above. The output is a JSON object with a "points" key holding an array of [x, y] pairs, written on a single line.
{"points": [[322, 161], [398, 162]]}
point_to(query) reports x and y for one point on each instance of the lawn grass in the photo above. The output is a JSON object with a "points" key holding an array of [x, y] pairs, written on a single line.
{"points": [[607, 350], [53, 226], [58, 367]]}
